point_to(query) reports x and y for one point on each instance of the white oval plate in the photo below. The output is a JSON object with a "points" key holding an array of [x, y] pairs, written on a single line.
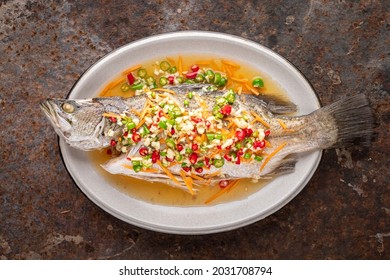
{"points": [[202, 219]]}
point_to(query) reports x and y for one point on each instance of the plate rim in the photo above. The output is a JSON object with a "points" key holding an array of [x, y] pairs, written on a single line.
{"points": [[192, 230]]}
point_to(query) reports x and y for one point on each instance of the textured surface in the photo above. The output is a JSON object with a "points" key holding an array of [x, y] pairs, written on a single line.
{"points": [[342, 47]]}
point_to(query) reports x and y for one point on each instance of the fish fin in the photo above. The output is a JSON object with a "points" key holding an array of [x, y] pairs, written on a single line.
{"points": [[287, 165], [274, 103], [354, 120]]}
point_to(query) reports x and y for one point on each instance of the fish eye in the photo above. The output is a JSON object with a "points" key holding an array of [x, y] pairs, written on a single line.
{"points": [[68, 108]]}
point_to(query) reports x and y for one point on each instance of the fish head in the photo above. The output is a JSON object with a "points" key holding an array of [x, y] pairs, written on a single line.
{"points": [[79, 122]]}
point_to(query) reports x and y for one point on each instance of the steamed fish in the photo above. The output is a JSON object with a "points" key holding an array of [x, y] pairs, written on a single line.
{"points": [[192, 135]]}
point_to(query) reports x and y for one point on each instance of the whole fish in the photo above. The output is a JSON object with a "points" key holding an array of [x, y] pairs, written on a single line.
{"points": [[187, 135]]}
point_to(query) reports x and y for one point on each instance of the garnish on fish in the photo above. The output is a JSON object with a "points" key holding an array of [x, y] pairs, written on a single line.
{"points": [[196, 134]]}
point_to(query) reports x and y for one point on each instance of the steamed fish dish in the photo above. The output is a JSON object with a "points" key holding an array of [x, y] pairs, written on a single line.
{"points": [[196, 134]]}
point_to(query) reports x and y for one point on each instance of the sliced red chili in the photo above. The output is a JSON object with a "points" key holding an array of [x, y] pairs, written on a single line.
{"points": [[227, 157], [195, 147], [195, 68], [155, 156], [143, 151], [179, 147], [171, 79], [186, 168], [248, 132], [113, 143], [136, 137], [223, 184], [130, 78], [240, 134], [193, 158], [259, 144], [199, 169], [267, 132], [226, 110], [191, 75]]}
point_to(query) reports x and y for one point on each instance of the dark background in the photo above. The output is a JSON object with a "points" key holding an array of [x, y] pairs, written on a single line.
{"points": [[342, 47]]}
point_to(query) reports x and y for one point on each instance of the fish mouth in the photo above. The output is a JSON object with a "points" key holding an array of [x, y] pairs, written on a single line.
{"points": [[49, 111]]}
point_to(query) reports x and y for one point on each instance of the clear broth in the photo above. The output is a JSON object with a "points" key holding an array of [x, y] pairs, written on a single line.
{"points": [[162, 194]]}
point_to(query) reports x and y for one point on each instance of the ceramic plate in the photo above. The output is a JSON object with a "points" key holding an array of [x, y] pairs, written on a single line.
{"points": [[201, 219]]}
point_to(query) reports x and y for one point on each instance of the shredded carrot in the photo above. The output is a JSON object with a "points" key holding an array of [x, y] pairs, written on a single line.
{"points": [[164, 89], [239, 90], [135, 112], [230, 63], [131, 69], [238, 80], [250, 88], [187, 181], [260, 119], [211, 175], [227, 70], [282, 124], [180, 65], [196, 177], [274, 152], [268, 144], [107, 115], [222, 191], [169, 174], [112, 84], [142, 121]]}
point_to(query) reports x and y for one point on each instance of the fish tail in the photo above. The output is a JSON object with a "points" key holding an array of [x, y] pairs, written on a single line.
{"points": [[345, 122]]}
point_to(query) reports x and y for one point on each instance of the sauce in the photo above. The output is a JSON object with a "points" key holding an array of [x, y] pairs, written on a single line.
{"points": [[162, 194]]}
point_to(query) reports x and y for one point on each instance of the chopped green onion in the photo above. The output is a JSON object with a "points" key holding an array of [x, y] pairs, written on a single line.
{"points": [[180, 79], [145, 131], [170, 143], [231, 97], [178, 157], [210, 75], [137, 86], [258, 158], [125, 87], [190, 95], [218, 136], [199, 78], [150, 80], [257, 82], [163, 81], [199, 164], [173, 70], [137, 168], [247, 156], [217, 78], [189, 151], [210, 136], [164, 65], [218, 163], [186, 103], [130, 125], [163, 124], [163, 154], [238, 145], [142, 73], [222, 82]]}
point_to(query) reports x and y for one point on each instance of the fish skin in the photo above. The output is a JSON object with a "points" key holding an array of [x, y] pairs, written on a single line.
{"points": [[331, 126]]}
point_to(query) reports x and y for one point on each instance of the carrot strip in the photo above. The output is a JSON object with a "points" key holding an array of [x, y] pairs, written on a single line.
{"points": [[274, 152], [230, 63], [135, 112], [169, 174], [203, 62], [259, 119], [187, 181], [180, 65], [107, 115], [238, 80], [131, 69], [194, 176], [222, 191], [211, 175], [164, 89], [282, 124], [141, 122]]}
